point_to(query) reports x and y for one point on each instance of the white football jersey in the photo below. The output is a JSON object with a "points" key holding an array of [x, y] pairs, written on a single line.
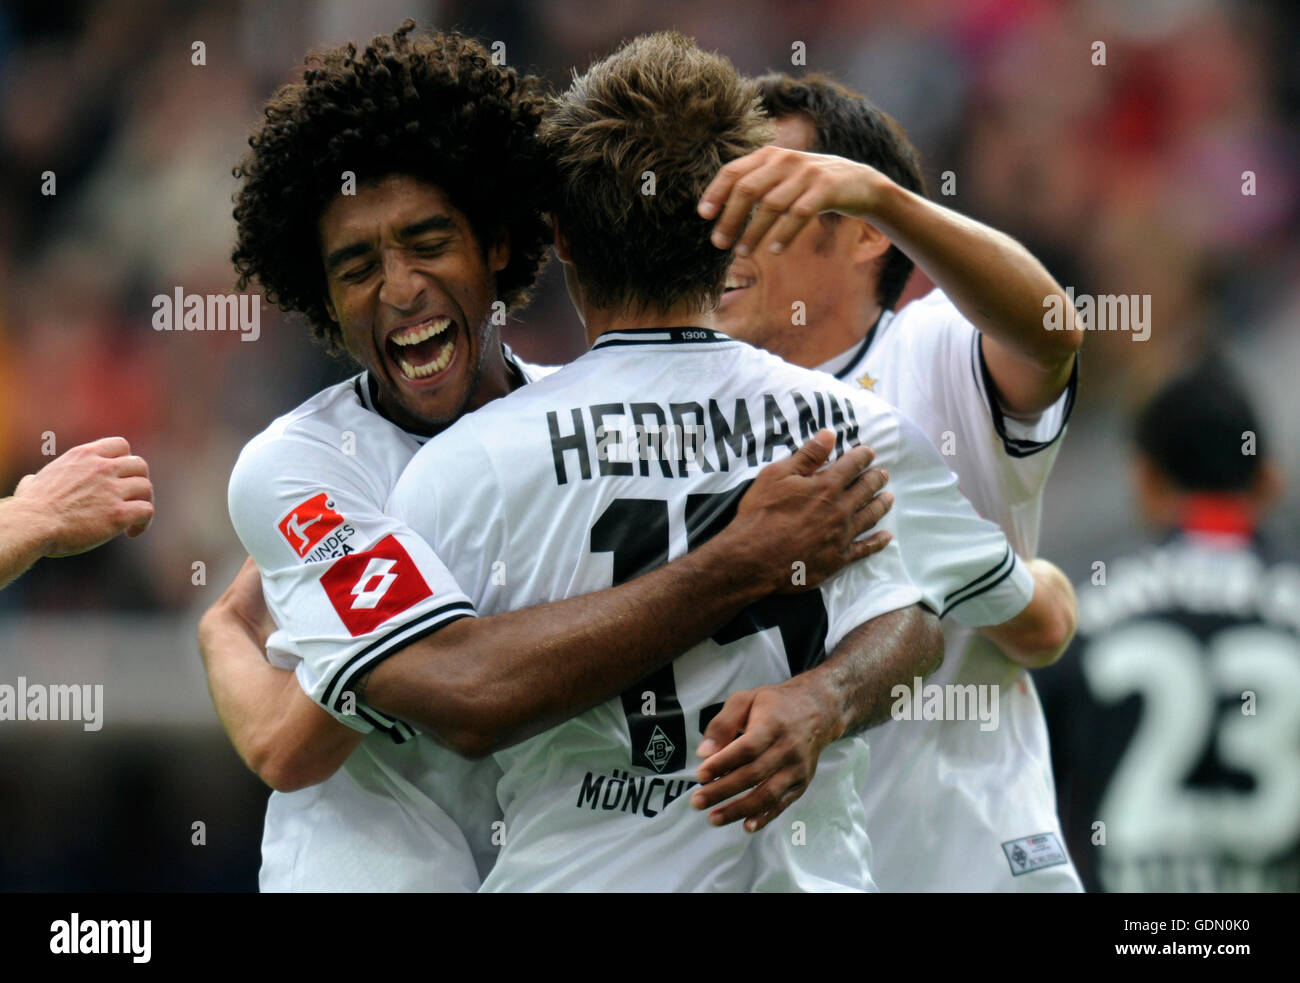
{"points": [[348, 586], [618, 462], [957, 805]]}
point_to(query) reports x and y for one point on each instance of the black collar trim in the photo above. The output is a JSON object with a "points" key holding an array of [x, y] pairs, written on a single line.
{"points": [[660, 336], [858, 356]]}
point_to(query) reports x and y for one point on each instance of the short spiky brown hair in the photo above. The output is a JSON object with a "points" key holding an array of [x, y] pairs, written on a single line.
{"points": [[661, 110], [431, 106], [849, 125]]}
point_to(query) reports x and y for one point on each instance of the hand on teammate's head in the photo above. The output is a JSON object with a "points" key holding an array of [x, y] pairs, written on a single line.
{"points": [[90, 494]]}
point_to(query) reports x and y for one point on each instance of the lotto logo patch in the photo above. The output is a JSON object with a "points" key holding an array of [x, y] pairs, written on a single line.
{"points": [[309, 523], [368, 588]]}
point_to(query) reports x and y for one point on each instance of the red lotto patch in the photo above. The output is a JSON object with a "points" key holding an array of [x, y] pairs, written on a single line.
{"points": [[368, 588]]}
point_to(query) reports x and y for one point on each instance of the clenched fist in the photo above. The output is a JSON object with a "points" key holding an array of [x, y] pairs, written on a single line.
{"points": [[87, 496]]}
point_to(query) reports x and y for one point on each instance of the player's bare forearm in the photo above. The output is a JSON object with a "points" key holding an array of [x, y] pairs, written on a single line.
{"points": [[24, 535], [860, 675], [998, 285], [278, 731], [482, 684], [766, 197], [1041, 633], [765, 742]]}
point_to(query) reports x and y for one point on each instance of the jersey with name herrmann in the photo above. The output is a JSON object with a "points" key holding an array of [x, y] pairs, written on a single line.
{"points": [[629, 456], [348, 586], [965, 804]]}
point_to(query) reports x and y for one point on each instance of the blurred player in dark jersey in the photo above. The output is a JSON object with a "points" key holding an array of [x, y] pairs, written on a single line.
{"points": [[1175, 723]]}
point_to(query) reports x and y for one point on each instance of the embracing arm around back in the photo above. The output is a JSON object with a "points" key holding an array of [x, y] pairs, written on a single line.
{"points": [[279, 732], [768, 740], [482, 683]]}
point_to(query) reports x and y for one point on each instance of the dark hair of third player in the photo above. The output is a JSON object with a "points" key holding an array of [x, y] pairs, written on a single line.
{"points": [[637, 139], [1196, 429], [431, 106], [848, 125]]}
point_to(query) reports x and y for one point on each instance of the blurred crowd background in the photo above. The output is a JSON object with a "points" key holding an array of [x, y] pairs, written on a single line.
{"points": [[1125, 178]]}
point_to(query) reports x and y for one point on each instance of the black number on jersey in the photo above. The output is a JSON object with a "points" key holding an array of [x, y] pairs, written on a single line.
{"points": [[635, 530]]}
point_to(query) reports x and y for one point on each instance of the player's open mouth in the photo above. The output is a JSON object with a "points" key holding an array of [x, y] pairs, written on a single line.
{"points": [[736, 284], [736, 281], [423, 350]]}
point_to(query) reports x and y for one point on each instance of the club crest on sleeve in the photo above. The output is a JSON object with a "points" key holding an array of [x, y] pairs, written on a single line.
{"points": [[310, 522], [368, 588], [1030, 853]]}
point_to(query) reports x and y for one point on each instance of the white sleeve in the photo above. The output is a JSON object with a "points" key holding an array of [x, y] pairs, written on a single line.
{"points": [[946, 356], [348, 585], [449, 493], [866, 589], [962, 564], [281, 651]]}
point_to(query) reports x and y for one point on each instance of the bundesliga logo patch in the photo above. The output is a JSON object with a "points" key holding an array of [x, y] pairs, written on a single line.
{"points": [[309, 523], [368, 588]]}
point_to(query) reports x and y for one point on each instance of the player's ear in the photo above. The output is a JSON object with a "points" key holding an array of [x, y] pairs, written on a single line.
{"points": [[329, 309], [561, 244], [498, 254], [869, 243]]}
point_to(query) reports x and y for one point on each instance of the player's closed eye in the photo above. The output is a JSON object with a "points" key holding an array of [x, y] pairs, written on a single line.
{"points": [[357, 274], [432, 248]]}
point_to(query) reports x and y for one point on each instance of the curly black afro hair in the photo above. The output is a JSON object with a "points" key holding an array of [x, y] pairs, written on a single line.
{"points": [[431, 106]]}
